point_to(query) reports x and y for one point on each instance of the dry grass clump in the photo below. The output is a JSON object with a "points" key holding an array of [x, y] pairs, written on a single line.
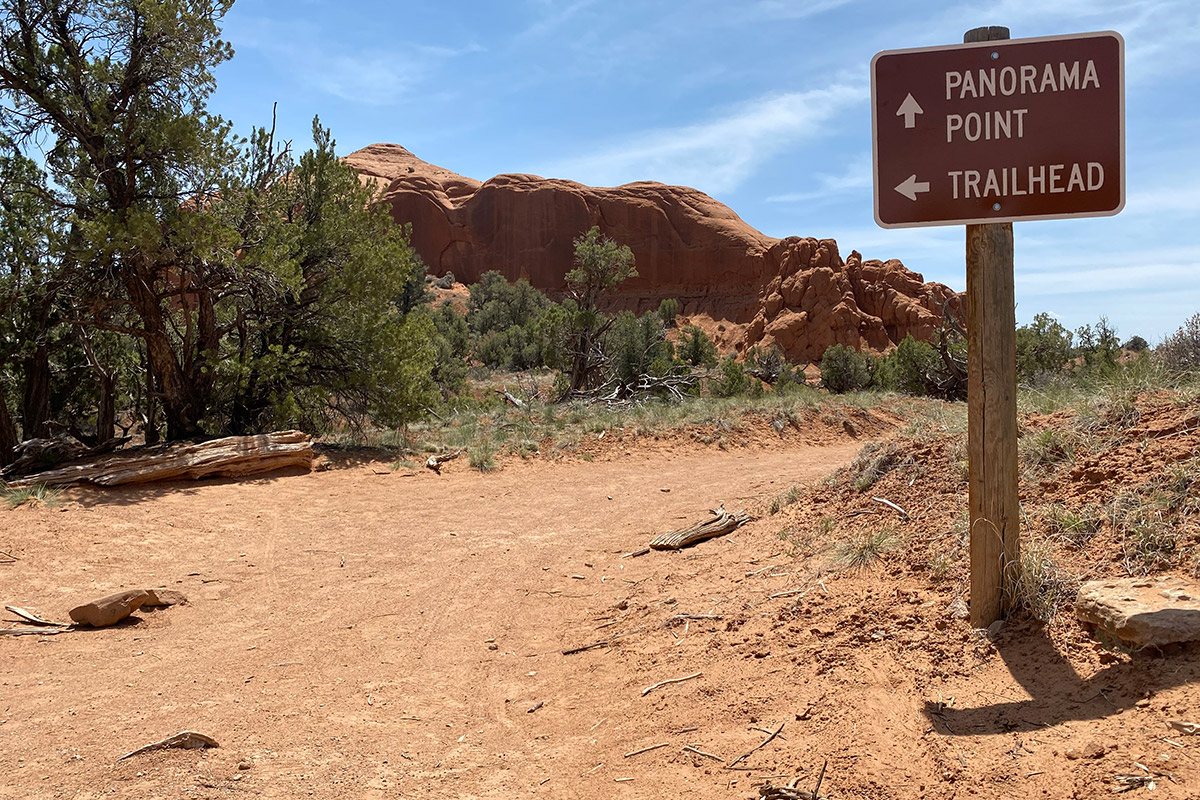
{"points": [[1041, 588], [33, 495], [865, 548]]}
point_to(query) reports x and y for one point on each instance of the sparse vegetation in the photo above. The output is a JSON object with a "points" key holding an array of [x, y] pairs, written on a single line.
{"points": [[37, 494], [1041, 588], [780, 502], [865, 548]]}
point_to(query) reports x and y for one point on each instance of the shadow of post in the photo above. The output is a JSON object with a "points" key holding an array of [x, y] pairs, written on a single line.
{"points": [[1057, 693]]}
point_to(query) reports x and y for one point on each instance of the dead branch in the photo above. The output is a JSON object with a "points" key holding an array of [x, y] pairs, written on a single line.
{"points": [[187, 740], [35, 631], [698, 751], [892, 506], [435, 461], [669, 681], [34, 619], [681, 617], [790, 792], [602, 643], [632, 753], [723, 524], [761, 744], [515, 402]]}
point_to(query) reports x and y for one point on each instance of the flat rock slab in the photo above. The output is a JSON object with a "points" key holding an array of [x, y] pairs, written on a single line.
{"points": [[163, 597], [111, 609], [1142, 612]]}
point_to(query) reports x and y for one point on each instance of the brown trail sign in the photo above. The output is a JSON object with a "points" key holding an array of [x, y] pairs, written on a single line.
{"points": [[999, 131], [983, 134]]}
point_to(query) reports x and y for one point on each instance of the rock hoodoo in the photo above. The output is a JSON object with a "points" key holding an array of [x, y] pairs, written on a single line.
{"points": [[796, 292]]}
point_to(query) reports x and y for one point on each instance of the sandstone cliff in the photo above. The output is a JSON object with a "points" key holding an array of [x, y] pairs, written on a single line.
{"points": [[797, 292]]}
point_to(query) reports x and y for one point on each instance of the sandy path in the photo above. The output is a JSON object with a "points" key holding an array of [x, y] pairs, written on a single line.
{"points": [[338, 638]]}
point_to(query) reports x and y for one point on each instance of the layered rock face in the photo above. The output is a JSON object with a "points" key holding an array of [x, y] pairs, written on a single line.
{"points": [[797, 293]]}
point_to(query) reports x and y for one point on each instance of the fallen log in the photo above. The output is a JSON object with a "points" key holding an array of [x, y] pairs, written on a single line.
{"points": [[723, 524], [435, 461], [230, 457]]}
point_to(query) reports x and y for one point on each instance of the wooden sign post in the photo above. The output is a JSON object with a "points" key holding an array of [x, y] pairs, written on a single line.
{"points": [[981, 135], [991, 408]]}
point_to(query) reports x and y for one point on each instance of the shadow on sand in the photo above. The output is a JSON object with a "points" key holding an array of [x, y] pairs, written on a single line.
{"points": [[1057, 692]]}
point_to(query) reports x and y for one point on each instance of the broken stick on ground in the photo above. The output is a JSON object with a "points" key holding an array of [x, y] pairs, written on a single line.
{"points": [[639, 751], [892, 506], [723, 524], [186, 740], [34, 619], [669, 681], [763, 743], [602, 643]]}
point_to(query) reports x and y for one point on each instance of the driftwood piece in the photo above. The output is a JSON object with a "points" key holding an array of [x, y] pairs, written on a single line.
{"points": [[186, 740], [435, 461], [34, 619], [515, 402], [230, 457], [34, 631], [723, 523]]}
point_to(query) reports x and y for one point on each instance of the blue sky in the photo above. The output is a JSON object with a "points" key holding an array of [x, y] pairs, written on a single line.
{"points": [[763, 104]]}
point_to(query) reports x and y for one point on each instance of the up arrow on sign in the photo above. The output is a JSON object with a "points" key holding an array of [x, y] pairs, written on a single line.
{"points": [[912, 186], [909, 110]]}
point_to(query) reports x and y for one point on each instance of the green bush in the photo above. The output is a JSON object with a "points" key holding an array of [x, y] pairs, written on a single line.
{"points": [[1044, 349], [638, 346], [1099, 347], [909, 369], [844, 369], [668, 310], [1135, 344], [733, 380], [696, 348]]}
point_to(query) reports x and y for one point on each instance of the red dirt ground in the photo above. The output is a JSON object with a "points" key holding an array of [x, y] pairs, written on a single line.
{"points": [[340, 632]]}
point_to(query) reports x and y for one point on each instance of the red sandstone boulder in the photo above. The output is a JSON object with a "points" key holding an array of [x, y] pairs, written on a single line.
{"points": [[796, 293]]}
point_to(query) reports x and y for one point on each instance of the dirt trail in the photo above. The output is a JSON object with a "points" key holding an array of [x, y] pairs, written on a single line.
{"points": [[340, 632]]}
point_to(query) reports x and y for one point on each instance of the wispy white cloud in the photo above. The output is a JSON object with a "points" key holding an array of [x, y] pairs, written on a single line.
{"points": [[854, 179], [794, 9], [556, 15], [718, 155], [345, 69]]}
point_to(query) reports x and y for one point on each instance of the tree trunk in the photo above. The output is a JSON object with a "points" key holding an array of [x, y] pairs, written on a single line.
{"points": [[179, 405], [8, 433], [106, 413], [35, 411]]}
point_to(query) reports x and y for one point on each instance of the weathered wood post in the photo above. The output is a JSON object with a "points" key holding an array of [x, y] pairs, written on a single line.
{"points": [[992, 409]]}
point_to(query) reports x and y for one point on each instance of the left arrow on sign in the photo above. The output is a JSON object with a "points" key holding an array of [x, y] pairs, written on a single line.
{"points": [[911, 187], [909, 110]]}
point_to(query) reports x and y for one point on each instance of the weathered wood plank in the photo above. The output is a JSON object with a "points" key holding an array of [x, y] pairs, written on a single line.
{"points": [[230, 457]]}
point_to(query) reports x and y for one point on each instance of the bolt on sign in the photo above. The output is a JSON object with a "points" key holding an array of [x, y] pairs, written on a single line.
{"points": [[999, 131]]}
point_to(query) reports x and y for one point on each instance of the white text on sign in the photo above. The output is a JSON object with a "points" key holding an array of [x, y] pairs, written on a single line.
{"points": [[1014, 182], [1026, 79]]}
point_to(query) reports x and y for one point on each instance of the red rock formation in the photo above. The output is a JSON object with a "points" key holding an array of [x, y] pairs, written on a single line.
{"points": [[796, 293]]}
